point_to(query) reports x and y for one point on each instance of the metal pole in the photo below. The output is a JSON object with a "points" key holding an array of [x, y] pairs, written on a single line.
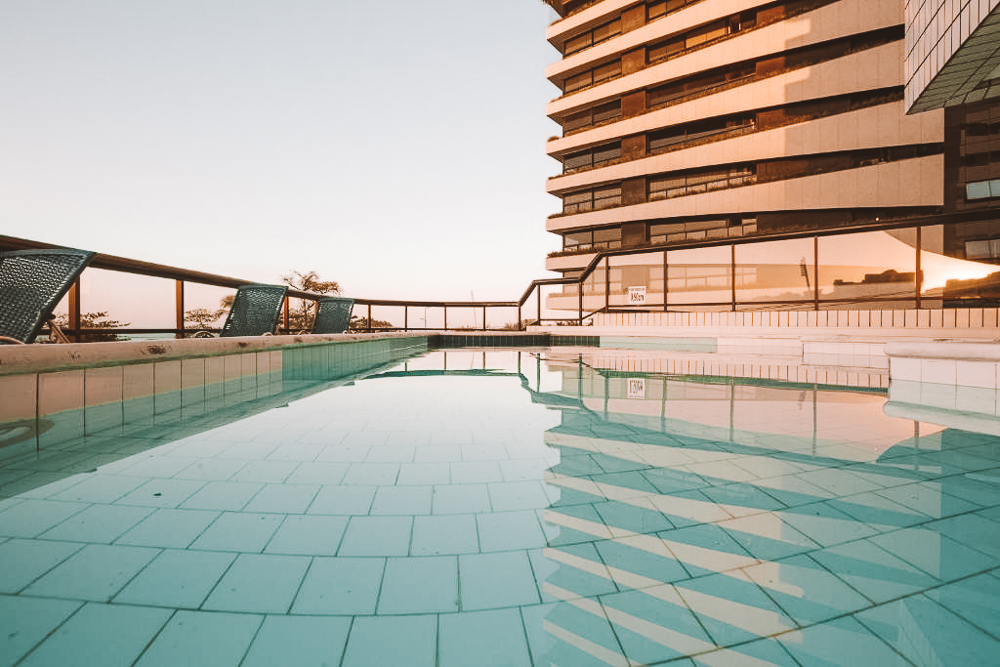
{"points": [[520, 324], [607, 284], [918, 279], [732, 275], [74, 310], [579, 287], [664, 281], [815, 273], [179, 302], [539, 293], [446, 318], [406, 318], [369, 318]]}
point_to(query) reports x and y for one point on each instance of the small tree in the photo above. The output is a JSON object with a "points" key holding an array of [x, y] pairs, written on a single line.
{"points": [[301, 317], [98, 320], [361, 324]]}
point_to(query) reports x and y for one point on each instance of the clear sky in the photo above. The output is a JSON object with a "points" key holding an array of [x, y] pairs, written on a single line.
{"points": [[397, 147]]}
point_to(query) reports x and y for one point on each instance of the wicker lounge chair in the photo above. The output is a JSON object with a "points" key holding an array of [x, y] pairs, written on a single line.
{"points": [[333, 315], [255, 311], [32, 282]]}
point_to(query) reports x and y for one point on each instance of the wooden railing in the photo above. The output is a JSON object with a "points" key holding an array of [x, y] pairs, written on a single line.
{"points": [[181, 277]]}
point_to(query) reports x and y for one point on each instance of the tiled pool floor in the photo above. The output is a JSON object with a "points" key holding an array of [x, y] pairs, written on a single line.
{"points": [[545, 513]]}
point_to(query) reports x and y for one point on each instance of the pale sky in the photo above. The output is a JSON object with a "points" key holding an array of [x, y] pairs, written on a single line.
{"points": [[397, 147]]}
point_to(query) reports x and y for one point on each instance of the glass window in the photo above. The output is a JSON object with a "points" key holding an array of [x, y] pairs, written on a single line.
{"points": [[607, 234], [866, 266], [978, 190], [699, 275], [775, 271]]}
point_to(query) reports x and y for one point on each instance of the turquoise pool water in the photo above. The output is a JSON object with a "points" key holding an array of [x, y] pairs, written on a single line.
{"points": [[499, 507]]}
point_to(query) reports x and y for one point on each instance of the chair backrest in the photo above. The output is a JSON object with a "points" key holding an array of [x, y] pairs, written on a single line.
{"points": [[32, 282], [255, 310], [334, 315]]}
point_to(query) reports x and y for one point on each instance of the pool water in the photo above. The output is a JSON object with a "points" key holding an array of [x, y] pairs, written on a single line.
{"points": [[508, 507]]}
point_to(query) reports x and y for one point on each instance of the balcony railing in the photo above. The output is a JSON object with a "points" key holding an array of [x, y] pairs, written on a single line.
{"points": [[812, 270], [528, 311]]}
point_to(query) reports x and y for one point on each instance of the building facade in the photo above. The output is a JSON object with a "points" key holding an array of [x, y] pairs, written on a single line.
{"points": [[743, 154]]}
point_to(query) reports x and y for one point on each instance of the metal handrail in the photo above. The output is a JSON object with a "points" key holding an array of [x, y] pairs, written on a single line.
{"points": [[126, 265]]}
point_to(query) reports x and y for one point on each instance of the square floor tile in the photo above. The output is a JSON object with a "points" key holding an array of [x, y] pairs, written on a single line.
{"points": [[461, 499], [343, 500], [377, 536], [162, 492], [444, 535], [27, 621], [761, 652], [101, 634], [503, 531], [371, 474], [874, 572], [259, 584], [308, 536], [209, 469], [732, 608], [177, 578], [569, 571], [392, 640], [272, 472], [23, 561], [402, 500], [564, 634], [805, 590], [706, 549], [33, 517], [824, 524], [475, 472], [935, 553], [976, 599], [234, 531], [972, 531], [655, 625], [203, 639], [420, 585], [228, 496], [928, 634], [340, 586], [624, 518], [493, 637], [508, 496], [489, 581], [846, 639], [98, 523], [283, 498], [169, 528], [767, 537], [304, 641], [317, 472], [95, 573], [99, 488], [424, 474]]}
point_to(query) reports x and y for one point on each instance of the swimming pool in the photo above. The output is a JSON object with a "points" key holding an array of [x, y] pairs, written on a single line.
{"points": [[494, 507]]}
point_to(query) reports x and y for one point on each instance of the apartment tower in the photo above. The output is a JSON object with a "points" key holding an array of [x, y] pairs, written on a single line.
{"points": [[705, 128]]}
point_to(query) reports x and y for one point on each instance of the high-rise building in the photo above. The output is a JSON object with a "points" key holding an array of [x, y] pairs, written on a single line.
{"points": [[752, 154]]}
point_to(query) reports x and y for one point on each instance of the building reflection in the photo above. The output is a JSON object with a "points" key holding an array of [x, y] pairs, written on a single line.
{"points": [[697, 513]]}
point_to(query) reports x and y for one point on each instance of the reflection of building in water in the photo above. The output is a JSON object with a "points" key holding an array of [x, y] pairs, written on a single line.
{"points": [[711, 132], [698, 513]]}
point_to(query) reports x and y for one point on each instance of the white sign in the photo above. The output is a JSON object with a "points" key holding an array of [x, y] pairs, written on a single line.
{"points": [[636, 388], [637, 295]]}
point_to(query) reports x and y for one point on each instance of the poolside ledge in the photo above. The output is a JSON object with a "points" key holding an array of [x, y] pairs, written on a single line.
{"points": [[17, 359]]}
